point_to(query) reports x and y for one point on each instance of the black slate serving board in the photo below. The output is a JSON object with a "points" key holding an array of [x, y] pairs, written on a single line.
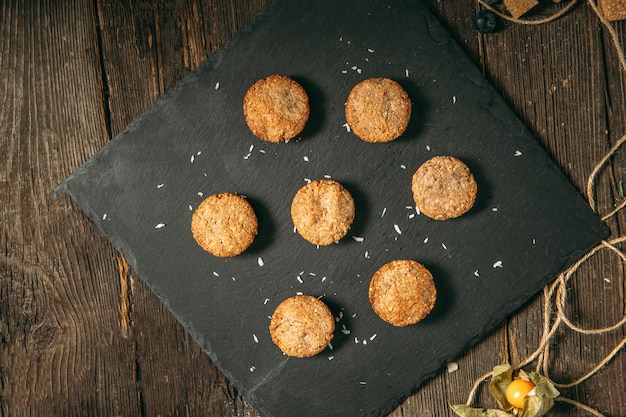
{"points": [[529, 222]]}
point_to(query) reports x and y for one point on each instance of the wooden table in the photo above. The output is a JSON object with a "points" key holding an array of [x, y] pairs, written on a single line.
{"points": [[81, 334]]}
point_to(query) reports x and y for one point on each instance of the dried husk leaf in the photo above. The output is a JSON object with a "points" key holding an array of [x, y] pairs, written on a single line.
{"points": [[464, 411], [542, 398], [501, 378], [536, 404]]}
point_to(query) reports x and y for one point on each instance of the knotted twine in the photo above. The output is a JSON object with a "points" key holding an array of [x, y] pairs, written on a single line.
{"points": [[555, 294]]}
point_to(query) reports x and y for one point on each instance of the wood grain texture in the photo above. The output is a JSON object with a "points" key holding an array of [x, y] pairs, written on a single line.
{"points": [[81, 334]]}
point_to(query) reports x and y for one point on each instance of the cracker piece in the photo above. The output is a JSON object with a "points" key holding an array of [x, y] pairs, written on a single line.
{"points": [[517, 8], [613, 10]]}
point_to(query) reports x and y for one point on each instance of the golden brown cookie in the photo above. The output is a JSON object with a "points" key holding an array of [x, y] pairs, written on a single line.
{"points": [[276, 108], [302, 326], [402, 292], [444, 188], [322, 211], [224, 224], [378, 110]]}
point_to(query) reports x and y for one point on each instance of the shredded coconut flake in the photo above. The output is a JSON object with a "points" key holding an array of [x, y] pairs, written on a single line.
{"points": [[452, 367], [518, 153], [476, 273], [217, 85], [347, 126], [358, 238], [306, 158], [372, 337], [426, 240], [398, 231], [267, 300], [443, 245], [160, 225], [370, 50], [383, 213], [216, 274], [330, 358], [406, 72], [498, 264], [104, 216], [367, 254], [260, 261], [193, 158], [160, 185], [256, 339]]}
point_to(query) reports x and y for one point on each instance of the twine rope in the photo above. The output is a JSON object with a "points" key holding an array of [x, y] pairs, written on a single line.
{"points": [[555, 294]]}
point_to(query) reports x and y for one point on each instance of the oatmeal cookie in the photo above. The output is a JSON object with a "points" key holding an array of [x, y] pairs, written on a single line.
{"points": [[378, 110], [276, 108], [402, 292], [322, 211], [444, 188], [224, 224], [302, 326]]}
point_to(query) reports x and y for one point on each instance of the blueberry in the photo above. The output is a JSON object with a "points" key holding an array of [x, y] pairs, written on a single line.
{"points": [[485, 21]]}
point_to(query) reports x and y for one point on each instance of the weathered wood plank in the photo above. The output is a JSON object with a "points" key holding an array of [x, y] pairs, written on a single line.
{"points": [[61, 352], [559, 78], [81, 334], [151, 63]]}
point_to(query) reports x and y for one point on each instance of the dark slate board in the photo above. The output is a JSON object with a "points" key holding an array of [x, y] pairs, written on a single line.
{"points": [[529, 222]]}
